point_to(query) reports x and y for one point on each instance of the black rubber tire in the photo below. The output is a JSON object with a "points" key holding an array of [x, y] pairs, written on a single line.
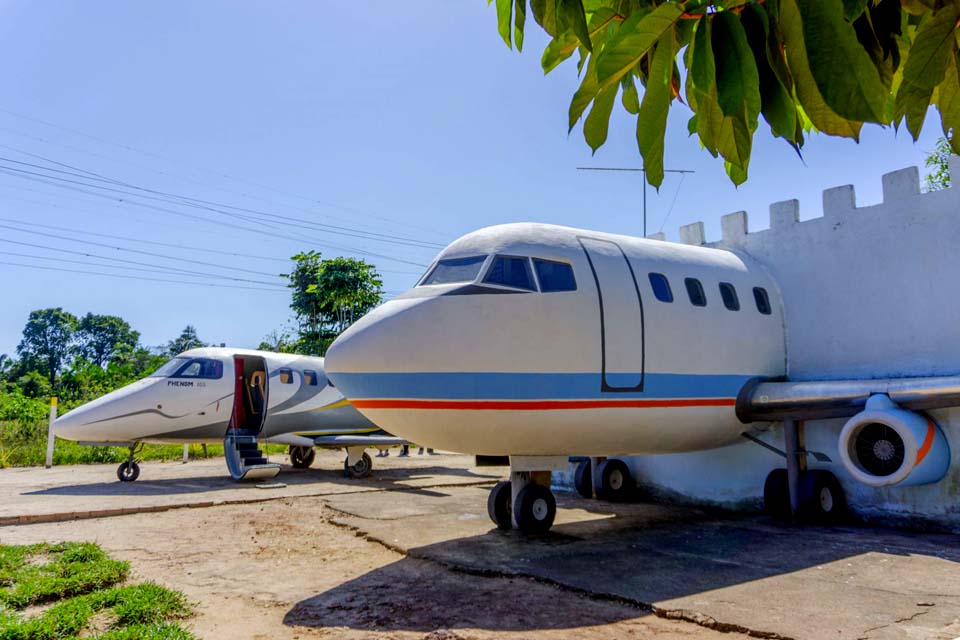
{"points": [[822, 499], [500, 505], [128, 472], [360, 470], [583, 479], [615, 481], [776, 495], [302, 457], [535, 509]]}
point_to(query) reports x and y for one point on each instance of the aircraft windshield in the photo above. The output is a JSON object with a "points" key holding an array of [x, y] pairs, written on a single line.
{"points": [[454, 270], [169, 368]]}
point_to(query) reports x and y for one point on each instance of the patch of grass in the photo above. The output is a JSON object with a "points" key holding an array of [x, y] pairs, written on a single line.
{"points": [[25, 445], [67, 569], [87, 605]]}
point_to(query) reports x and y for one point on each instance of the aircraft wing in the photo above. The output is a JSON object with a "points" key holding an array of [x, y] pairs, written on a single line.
{"points": [[767, 400], [373, 440]]}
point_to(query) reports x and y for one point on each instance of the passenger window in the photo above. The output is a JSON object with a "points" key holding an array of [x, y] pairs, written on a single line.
{"points": [[762, 300], [203, 368], [695, 290], [455, 270], [554, 276], [729, 294], [286, 376], [511, 272], [661, 287], [310, 378]]}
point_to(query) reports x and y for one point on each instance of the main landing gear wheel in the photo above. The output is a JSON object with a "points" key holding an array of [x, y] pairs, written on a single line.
{"points": [[776, 494], [822, 500], [302, 457], [361, 469], [583, 479], [536, 509], [128, 471], [499, 506], [616, 483]]}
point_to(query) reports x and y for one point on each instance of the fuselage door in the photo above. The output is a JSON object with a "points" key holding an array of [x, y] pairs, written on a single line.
{"points": [[621, 316]]}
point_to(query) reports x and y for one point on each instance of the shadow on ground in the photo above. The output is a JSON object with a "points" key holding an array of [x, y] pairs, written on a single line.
{"points": [[748, 573]]}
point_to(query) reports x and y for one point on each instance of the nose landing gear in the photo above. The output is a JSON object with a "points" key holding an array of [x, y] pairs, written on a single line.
{"points": [[524, 502], [129, 471]]}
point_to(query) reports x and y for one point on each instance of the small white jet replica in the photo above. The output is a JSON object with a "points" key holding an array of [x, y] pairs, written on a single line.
{"points": [[238, 395], [539, 342]]}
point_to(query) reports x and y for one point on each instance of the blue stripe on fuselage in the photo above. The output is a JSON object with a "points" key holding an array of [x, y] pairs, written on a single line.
{"points": [[531, 386]]}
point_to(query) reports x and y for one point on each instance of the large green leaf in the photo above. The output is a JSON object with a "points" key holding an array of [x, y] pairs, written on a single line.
{"points": [[629, 97], [814, 106], [842, 69], [588, 90], [598, 120], [776, 103], [652, 120], [932, 51], [633, 41], [563, 46], [701, 85], [558, 16], [504, 17], [737, 79], [520, 19], [948, 102]]}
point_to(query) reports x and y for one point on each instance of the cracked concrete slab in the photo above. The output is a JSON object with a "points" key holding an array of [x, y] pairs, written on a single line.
{"points": [[746, 574]]}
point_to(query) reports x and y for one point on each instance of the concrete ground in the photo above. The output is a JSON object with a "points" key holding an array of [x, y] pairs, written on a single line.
{"points": [[411, 554]]}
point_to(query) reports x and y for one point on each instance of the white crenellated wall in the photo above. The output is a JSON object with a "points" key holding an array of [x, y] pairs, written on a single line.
{"points": [[868, 292]]}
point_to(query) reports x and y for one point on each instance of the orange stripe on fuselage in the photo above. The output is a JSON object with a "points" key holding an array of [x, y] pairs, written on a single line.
{"points": [[541, 405], [927, 442]]}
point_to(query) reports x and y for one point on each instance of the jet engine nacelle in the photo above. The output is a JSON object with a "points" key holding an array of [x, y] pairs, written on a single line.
{"points": [[885, 445]]}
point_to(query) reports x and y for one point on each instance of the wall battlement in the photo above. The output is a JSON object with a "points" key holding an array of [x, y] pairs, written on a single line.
{"points": [[837, 203]]}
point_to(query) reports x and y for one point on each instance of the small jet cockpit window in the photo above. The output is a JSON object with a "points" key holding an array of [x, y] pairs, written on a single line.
{"points": [[169, 368], [453, 270], [762, 299], [205, 368], [695, 290], [511, 272], [554, 276], [661, 287], [729, 295]]}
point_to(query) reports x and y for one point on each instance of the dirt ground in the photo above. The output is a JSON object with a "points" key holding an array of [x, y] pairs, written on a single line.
{"points": [[284, 570]]}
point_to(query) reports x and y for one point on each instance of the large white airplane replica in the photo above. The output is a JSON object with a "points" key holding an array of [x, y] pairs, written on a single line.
{"points": [[539, 342], [239, 396]]}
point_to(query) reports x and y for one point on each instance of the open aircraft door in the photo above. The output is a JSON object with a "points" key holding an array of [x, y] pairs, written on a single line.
{"points": [[241, 448], [621, 316]]}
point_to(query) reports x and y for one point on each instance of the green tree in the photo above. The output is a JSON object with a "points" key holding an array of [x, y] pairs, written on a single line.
{"points": [[804, 65], [329, 295], [46, 341], [100, 339], [187, 340], [278, 341], [6, 365], [938, 163]]}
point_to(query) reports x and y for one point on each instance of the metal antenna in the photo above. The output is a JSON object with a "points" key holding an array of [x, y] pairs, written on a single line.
{"points": [[642, 170]]}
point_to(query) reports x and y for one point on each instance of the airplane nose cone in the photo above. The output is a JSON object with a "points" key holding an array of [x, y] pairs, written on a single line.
{"points": [[87, 422]]}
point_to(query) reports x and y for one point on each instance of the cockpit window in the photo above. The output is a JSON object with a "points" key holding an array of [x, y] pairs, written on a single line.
{"points": [[511, 272], [169, 368], [554, 276], [204, 368], [453, 270]]}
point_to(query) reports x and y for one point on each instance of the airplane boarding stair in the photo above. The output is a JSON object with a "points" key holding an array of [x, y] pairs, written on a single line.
{"points": [[244, 458]]}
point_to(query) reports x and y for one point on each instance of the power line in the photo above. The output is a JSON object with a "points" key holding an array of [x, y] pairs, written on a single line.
{"points": [[218, 173], [134, 262], [117, 275], [177, 199], [300, 239]]}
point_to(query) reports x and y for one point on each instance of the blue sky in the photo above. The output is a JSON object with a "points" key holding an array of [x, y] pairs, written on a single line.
{"points": [[405, 119]]}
